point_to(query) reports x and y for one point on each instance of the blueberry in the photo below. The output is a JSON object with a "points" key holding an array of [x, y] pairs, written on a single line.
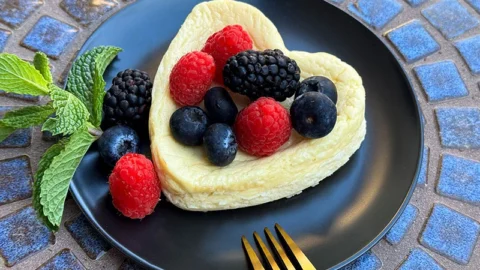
{"points": [[220, 144], [188, 124], [220, 106], [313, 115], [116, 142], [318, 84]]}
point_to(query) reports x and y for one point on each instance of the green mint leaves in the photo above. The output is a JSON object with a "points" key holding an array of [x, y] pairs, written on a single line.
{"points": [[71, 114], [76, 113], [41, 63], [20, 77], [56, 178], [43, 165], [86, 82], [27, 116]]}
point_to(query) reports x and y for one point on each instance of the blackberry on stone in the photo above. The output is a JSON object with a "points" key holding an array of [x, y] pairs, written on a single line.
{"points": [[128, 100], [267, 73]]}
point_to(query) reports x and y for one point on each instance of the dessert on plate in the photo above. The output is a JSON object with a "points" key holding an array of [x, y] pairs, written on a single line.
{"points": [[274, 161]]}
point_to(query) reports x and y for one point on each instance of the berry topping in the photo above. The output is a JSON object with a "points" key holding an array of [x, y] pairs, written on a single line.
{"points": [[117, 141], [262, 74], [220, 106], [188, 125], [226, 43], [313, 115], [318, 84], [262, 127], [134, 186], [220, 144], [191, 77], [128, 100]]}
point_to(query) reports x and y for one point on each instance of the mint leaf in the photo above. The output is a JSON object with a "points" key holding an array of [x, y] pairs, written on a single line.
{"points": [[41, 63], [5, 132], [56, 178], [84, 80], [71, 114], [27, 116], [43, 165], [98, 95], [20, 77]]}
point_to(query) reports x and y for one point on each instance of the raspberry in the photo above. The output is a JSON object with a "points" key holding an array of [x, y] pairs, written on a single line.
{"points": [[226, 43], [191, 77], [262, 127], [134, 186]]}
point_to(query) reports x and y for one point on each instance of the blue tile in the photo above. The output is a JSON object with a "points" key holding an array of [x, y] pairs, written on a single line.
{"points": [[367, 261], [87, 237], [86, 12], [403, 224], [14, 13], [441, 81], [422, 176], [450, 234], [460, 179], [63, 260], [459, 127], [22, 234], [475, 4], [469, 49], [413, 41], [376, 13], [130, 265], [4, 35], [450, 18], [15, 179], [19, 138], [50, 36], [420, 260], [416, 3]]}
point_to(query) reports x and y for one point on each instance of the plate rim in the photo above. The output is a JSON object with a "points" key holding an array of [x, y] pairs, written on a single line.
{"points": [[421, 125]]}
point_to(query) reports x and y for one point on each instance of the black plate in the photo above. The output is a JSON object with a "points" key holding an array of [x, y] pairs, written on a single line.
{"points": [[334, 222]]}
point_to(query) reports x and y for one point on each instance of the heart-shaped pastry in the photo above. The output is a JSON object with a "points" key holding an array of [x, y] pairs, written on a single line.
{"points": [[190, 182]]}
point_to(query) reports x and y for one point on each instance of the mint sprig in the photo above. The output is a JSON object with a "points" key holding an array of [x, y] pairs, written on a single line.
{"points": [[45, 163], [56, 178], [86, 76], [27, 116], [76, 112], [20, 77], [42, 64], [71, 113]]}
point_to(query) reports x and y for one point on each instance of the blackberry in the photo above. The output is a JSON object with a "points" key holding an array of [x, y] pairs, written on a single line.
{"points": [[128, 100], [262, 74]]}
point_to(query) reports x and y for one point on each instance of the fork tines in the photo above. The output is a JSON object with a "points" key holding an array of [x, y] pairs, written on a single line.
{"points": [[295, 259]]}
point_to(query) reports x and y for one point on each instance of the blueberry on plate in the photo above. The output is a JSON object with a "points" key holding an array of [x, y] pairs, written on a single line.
{"points": [[188, 124], [313, 115], [318, 84], [116, 141], [220, 144], [220, 106]]}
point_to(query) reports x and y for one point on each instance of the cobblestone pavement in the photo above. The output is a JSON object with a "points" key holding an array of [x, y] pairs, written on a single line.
{"points": [[438, 44]]}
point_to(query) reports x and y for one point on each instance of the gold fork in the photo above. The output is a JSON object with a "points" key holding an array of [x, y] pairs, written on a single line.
{"points": [[299, 261]]}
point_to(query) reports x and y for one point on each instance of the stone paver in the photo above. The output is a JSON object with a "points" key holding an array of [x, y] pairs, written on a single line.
{"points": [[376, 13], [441, 81], [450, 234], [87, 237], [450, 18], [420, 260], [413, 41]]}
